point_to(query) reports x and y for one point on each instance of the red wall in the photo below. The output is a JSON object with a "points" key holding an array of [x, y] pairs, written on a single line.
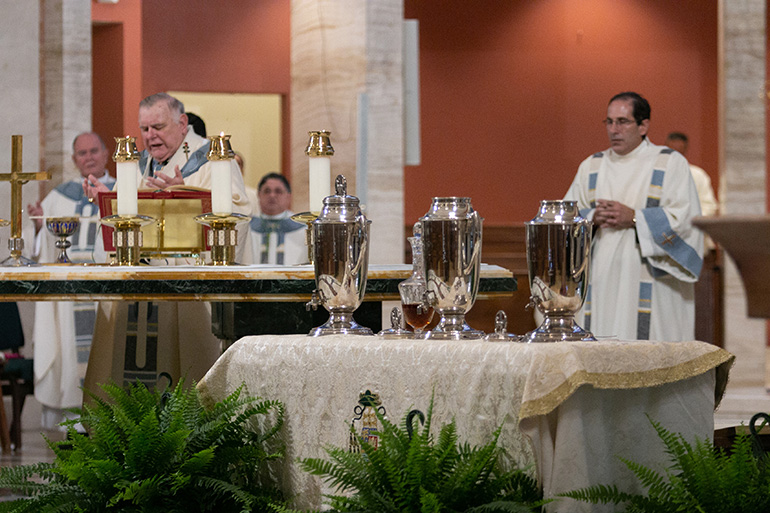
{"points": [[237, 46], [117, 68], [512, 94]]}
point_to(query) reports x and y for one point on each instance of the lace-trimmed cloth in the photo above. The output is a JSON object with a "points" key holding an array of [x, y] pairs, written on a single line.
{"points": [[482, 385]]}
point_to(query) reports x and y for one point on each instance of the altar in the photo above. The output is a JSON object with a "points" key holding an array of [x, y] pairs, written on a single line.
{"points": [[567, 410], [246, 299]]}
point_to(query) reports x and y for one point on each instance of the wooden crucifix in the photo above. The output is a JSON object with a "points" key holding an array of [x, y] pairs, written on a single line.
{"points": [[17, 179]]}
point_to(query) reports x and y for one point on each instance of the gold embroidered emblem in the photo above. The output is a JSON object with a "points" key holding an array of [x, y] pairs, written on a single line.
{"points": [[668, 239], [365, 423]]}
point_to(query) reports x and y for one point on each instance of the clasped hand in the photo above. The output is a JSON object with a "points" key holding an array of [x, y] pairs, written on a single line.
{"points": [[613, 214]]}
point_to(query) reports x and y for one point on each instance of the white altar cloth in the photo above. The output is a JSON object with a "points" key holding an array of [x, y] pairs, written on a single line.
{"points": [[567, 409]]}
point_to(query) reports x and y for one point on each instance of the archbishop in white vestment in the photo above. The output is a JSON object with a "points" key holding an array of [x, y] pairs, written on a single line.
{"points": [[641, 280], [63, 329], [144, 341]]}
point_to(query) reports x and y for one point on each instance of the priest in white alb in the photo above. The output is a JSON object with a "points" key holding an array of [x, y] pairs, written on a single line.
{"points": [[646, 255], [276, 238], [63, 329]]}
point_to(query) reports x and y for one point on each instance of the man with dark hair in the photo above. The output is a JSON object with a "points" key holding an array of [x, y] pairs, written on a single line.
{"points": [[646, 255], [276, 238], [197, 124]]}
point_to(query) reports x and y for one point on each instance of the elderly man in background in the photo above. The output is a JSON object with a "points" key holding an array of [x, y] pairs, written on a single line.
{"points": [[145, 340], [63, 330], [646, 255]]}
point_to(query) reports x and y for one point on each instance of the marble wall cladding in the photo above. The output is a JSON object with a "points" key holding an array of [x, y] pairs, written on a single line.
{"points": [[742, 188], [66, 82], [385, 130], [347, 78], [20, 101]]}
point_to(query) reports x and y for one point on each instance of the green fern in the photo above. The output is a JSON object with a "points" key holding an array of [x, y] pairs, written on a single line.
{"points": [[406, 474], [701, 478], [146, 451]]}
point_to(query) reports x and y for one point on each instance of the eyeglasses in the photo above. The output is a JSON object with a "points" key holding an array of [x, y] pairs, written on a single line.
{"points": [[620, 122]]}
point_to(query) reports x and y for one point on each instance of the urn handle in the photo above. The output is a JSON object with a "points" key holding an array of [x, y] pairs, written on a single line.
{"points": [[476, 241], [581, 247], [363, 250]]}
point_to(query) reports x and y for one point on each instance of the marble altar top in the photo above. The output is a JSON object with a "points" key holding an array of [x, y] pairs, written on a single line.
{"points": [[206, 283]]}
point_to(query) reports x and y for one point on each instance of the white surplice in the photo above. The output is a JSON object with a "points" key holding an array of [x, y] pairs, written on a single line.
{"points": [[145, 341], [277, 240], [63, 329], [641, 280]]}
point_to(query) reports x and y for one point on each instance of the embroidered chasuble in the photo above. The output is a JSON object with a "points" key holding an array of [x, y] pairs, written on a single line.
{"points": [[141, 340], [278, 240], [62, 329], [641, 280]]}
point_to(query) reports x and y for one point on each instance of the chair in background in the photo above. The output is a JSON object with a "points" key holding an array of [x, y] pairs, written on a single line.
{"points": [[16, 378]]}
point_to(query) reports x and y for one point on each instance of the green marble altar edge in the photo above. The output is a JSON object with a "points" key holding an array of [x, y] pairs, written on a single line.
{"points": [[183, 287]]}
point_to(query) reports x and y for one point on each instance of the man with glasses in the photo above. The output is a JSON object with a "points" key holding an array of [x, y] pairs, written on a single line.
{"points": [[646, 255]]}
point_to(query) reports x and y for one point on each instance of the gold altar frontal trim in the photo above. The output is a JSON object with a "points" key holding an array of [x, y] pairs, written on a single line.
{"points": [[719, 359]]}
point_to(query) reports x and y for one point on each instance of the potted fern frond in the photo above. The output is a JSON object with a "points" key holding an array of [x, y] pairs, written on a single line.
{"points": [[156, 452], [700, 478], [411, 472]]}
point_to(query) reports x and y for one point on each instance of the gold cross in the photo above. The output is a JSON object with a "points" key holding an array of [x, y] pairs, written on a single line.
{"points": [[668, 239], [17, 179]]}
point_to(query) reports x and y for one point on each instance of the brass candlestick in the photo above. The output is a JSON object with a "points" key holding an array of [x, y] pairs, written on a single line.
{"points": [[319, 149], [222, 237], [220, 148], [319, 144], [307, 218], [127, 237]]}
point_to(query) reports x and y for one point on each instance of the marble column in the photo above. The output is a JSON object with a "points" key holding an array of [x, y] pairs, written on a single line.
{"points": [[20, 100], [66, 83], [346, 77], [742, 177]]}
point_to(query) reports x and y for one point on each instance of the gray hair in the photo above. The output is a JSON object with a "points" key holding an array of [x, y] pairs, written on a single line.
{"points": [[75, 140], [174, 105]]}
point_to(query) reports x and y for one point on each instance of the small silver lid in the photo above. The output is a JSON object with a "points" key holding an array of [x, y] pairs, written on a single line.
{"points": [[340, 207]]}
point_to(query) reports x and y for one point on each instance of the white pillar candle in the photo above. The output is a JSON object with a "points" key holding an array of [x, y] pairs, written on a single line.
{"points": [[320, 176], [221, 187], [126, 187]]}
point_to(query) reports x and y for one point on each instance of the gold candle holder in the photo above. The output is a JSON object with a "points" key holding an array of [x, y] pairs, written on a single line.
{"points": [[220, 148], [307, 218], [319, 145], [127, 234], [127, 237], [125, 149], [222, 236]]}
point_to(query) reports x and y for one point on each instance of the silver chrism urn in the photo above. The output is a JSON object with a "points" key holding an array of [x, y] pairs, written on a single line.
{"points": [[558, 256], [451, 237], [340, 242]]}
